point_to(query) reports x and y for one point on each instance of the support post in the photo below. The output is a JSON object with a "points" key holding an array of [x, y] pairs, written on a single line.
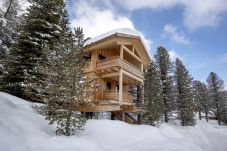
{"points": [[141, 66], [133, 49], [116, 95], [121, 51], [120, 86], [123, 116]]}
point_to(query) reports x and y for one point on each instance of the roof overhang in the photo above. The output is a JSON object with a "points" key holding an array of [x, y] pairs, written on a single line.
{"points": [[113, 37]]}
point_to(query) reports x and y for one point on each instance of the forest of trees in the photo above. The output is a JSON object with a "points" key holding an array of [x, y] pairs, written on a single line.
{"points": [[41, 60], [170, 90]]}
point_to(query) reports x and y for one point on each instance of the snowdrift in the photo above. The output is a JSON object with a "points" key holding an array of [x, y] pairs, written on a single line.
{"points": [[22, 129]]}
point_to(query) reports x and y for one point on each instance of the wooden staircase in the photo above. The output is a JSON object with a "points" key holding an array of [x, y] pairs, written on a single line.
{"points": [[126, 117]]}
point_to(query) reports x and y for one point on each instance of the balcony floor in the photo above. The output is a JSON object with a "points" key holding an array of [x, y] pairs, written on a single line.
{"points": [[107, 107]]}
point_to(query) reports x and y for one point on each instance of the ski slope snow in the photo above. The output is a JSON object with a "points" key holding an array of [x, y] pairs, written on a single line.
{"points": [[22, 129]]}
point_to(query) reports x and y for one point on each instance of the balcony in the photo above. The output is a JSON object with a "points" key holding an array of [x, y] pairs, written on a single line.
{"points": [[115, 62], [113, 97]]}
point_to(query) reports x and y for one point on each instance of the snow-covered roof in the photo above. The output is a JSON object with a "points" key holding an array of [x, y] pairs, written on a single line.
{"points": [[125, 31]]}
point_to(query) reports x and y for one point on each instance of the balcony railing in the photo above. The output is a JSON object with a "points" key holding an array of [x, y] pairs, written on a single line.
{"points": [[114, 95], [117, 62]]}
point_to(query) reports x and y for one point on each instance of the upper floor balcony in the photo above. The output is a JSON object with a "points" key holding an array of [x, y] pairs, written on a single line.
{"points": [[115, 63]]}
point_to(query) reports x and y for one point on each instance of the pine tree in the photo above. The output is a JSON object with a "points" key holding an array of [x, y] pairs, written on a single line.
{"points": [[185, 102], [9, 25], [216, 90], [45, 24], [224, 114], [9, 20], [201, 98], [67, 86], [165, 66], [153, 101]]}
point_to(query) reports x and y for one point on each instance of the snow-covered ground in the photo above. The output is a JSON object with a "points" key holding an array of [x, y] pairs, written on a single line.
{"points": [[22, 129]]}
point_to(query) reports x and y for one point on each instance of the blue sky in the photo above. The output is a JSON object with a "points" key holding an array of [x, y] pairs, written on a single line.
{"points": [[194, 30]]}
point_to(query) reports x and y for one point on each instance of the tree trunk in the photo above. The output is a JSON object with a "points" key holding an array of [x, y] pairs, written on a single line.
{"points": [[69, 115], [206, 113], [112, 116], [165, 100], [139, 118], [216, 100], [165, 111], [218, 116], [218, 112], [8, 9], [68, 120], [200, 116]]}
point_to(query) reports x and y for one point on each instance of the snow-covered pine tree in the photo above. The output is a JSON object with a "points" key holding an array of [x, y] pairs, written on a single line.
{"points": [[185, 104], [45, 23], [67, 86], [153, 101], [9, 25], [223, 115], [166, 68], [224, 118], [136, 91], [216, 90], [201, 98]]}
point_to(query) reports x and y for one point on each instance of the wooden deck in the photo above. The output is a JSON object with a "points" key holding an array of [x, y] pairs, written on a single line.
{"points": [[114, 96], [113, 64], [107, 106]]}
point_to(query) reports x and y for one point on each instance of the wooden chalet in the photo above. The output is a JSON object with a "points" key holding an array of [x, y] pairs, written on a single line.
{"points": [[117, 59]]}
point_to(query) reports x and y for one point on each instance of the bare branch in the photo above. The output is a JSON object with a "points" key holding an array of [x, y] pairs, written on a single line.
{"points": [[8, 9]]}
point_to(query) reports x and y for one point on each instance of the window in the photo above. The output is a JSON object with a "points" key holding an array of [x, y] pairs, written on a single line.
{"points": [[87, 57], [117, 86], [108, 85], [101, 57]]}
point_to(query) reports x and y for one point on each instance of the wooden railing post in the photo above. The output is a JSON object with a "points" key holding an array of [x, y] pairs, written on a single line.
{"points": [[116, 94], [120, 86]]}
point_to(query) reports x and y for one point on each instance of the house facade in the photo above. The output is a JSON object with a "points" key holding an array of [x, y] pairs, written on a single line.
{"points": [[117, 60]]}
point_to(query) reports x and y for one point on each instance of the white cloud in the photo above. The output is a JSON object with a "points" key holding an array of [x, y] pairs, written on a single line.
{"points": [[203, 13], [199, 66], [97, 19], [154, 4], [174, 55], [224, 58], [196, 13], [173, 34]]}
